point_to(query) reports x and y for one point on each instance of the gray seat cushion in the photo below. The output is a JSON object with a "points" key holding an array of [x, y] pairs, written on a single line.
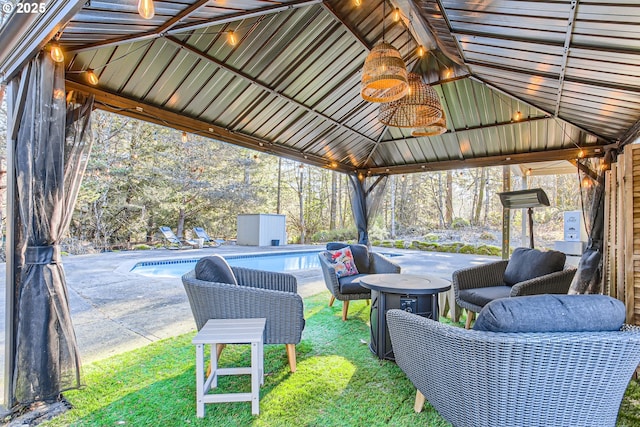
{"points": [[482, 296], [351, 285], [552, 313], [214, 268], [526, 264]]}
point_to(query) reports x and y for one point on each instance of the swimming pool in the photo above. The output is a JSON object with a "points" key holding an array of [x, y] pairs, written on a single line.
{"points": [[288, 261]]}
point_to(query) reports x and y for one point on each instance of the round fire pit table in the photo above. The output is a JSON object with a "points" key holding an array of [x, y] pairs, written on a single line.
{"points": [[410, 292]]}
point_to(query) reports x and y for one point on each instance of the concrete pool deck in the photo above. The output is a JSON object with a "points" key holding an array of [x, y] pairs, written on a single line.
{"points": [[114, 310]]}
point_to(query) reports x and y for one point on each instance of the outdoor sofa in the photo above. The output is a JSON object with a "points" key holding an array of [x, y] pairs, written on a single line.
{"points": [[543, 360]]}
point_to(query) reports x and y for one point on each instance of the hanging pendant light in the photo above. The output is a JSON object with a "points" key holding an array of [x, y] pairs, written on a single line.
{"points": [[92, 78], [420, 107], [146, 9], [56, 52], [384, 76], [437, 128]]}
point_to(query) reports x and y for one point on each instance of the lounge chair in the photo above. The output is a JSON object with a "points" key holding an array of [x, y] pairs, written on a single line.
{"points": [[218, 291], [208, 241], [173, 242]]}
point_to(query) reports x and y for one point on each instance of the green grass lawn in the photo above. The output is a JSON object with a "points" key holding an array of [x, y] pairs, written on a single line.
{"points": [[338, 383]]}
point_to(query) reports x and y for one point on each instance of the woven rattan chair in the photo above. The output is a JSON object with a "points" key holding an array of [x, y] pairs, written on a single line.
{"points": [[490, 277], [516, 379], [258, 294], [348, 288]]}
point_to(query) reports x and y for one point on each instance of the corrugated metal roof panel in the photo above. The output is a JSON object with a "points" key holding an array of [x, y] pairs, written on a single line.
{"points": [[294, 77]]}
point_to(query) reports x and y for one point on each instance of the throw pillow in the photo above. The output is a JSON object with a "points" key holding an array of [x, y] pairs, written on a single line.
{"points": [[343, 263], [214, 268], [526, 264], [552, 313]]}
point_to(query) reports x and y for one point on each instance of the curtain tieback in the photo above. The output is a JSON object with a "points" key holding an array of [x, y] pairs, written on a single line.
{"points": [[42, 254]]}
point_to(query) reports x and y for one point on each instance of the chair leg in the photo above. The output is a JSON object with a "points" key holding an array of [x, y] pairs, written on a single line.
{"points": [[345, 308], [470, 316], [219, 348], [368, 301], [419, 404], [331, 301], [291, 355]]}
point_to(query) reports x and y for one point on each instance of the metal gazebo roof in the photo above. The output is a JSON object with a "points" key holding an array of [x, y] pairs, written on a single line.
{"points": [[519, 81]]}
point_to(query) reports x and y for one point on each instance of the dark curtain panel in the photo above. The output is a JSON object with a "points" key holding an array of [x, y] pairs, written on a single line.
{"points": [[366, 195], [49, 168], [588, 278]]}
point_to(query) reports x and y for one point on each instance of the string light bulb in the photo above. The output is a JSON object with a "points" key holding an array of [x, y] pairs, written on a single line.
{"points": [[231, 38], [420, 51], [586, 182], [396, 15], [146, 9], [185, 138], [517, 116], [529, 172], [581, 154], [56, 52], [358, 3], [92, 78]]}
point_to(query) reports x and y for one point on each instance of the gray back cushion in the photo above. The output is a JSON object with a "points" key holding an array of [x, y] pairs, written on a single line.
{"points": [[526, 264], [360, 254], [552, 313], [214, 268], [361, 258]]}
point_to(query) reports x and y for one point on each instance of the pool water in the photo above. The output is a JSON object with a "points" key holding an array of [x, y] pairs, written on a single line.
{"points": [[289, 261]]}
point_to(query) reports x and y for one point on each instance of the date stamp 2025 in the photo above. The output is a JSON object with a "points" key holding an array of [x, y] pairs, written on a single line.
{"points": [[26, 7]]}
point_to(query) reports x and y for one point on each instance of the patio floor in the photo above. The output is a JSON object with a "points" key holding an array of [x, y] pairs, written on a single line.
{"points": [[114, 310]]}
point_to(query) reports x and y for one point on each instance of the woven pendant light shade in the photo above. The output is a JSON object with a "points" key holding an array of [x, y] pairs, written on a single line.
{"points": [[421, 107], [384, 76], [437, 128]]}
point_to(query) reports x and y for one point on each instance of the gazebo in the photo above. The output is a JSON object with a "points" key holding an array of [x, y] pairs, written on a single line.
{"points": [[516, 83]]}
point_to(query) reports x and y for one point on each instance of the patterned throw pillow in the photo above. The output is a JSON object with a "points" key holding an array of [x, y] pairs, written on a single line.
{"points": [[342, 261]]}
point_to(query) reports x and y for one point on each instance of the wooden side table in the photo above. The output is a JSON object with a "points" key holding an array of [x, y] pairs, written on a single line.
{"points": [[229, 331]]}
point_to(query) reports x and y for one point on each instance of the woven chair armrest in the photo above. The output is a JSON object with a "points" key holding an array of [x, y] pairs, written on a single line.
{"points": [[381, 264], [479, 276], [329, 274], [283, 310], [554, 283], [266, 279]]}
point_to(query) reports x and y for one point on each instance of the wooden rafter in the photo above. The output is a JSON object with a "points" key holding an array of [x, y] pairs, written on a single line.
{"points": [[265, 87], [501, 160], [150, 113]]}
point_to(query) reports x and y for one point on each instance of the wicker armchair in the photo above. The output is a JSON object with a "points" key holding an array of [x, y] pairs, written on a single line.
{"points": [[489, 279], [518, 379], [348, 288], [258, 294]]}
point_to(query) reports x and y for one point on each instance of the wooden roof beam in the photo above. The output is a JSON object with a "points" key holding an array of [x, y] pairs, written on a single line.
{"points": [[501, 160], [263, 86], [470, 128], [150, 113]]}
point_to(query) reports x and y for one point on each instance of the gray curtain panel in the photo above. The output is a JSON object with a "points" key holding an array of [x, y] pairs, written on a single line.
{"points": [[52, 149], [366, 195], [588, 277]]}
